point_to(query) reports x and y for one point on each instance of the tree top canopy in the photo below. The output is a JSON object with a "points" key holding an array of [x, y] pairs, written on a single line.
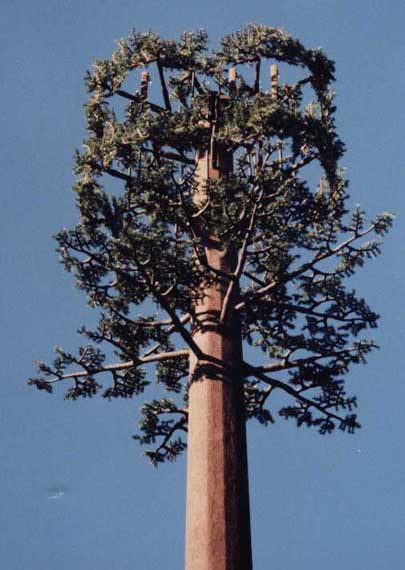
{"points": [[139, 249]]}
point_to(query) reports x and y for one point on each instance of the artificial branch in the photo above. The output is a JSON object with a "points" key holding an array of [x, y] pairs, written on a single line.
{"points": [[165, 92], [241, 259], [286, 363], [252, 296], [184, 333], [257, 76], [121, 365], [274, 383], [136, 99]]}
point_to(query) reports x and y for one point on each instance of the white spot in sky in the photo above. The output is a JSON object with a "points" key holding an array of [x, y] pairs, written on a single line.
{"points": [[57, 495], [56, 492]]}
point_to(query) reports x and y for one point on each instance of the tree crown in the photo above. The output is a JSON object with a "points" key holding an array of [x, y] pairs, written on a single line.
{"points": [[139, 249]]}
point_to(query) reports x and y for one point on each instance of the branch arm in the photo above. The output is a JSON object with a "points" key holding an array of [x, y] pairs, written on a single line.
{"points": [[241, 259], [307, 311], [131, 97], [165, 92], [255, 371], [305, 267], [177, 323], [286, 364], [179, 425], [122, 365], [257, 76]]}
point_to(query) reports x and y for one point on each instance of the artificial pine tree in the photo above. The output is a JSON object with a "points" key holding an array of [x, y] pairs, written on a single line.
{"points": [[227, 222]]}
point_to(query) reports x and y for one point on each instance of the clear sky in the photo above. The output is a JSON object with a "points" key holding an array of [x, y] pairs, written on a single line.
{"points": [[75, 489]]}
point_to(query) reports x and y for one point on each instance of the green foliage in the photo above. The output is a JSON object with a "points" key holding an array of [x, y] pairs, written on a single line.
{"points": [[295, 241]]}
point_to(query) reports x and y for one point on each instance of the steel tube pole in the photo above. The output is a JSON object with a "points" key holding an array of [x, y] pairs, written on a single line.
{"points": [[217, 513]]}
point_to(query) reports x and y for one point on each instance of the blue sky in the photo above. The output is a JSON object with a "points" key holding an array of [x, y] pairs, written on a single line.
{"points": [[75, 490]]}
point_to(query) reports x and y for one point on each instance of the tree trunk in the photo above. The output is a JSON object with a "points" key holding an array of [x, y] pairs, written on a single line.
{"points": [[218, 518]]}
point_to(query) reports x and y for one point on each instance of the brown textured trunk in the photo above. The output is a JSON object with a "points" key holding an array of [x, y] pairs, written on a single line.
{"points": [[218, 517]]}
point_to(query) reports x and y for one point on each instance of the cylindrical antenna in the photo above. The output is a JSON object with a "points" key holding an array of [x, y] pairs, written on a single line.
{"points": [[274, 80], [232, 79], [144, 84], [274, 75]]}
